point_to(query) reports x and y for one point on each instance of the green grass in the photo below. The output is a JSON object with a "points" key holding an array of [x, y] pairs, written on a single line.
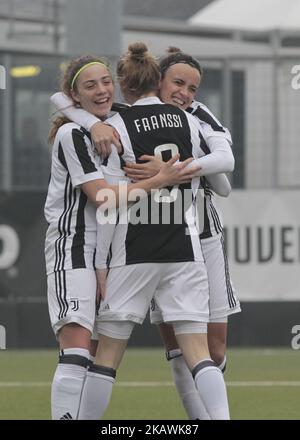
{"points": [[25, 391]]}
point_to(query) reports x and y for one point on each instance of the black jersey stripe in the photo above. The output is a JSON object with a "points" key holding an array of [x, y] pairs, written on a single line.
{"points": [[209, 208], [204, 145], [64, 292], [77, 250], [215, 217], [94, 259], [61, 157], [61, 293], [57, 293], [60, 254], [65, 224], [204, 116], [82, 152], [86, 133], [119, 106], [60, 226], [206, 233], [63, 305], [230, 295]]}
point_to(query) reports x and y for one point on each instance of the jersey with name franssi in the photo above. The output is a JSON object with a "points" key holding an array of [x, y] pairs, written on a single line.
{"points": [[162, 227]]}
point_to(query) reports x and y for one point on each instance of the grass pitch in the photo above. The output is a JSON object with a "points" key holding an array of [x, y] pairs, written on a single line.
{"points": [[261, 383]]}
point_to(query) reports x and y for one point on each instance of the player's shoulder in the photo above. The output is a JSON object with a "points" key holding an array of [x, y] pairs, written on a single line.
{"points": [[207, 119], [199, 107], [67, 132], [119, 107], [190, 118], [66, 129]]}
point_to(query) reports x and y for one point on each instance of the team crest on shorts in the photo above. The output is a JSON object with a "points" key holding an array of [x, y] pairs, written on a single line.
{"points": [[74, 302], [152, 305]]}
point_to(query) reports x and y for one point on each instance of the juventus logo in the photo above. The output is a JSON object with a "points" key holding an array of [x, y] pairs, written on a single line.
{"points": [[74, 304], [153, 305]]}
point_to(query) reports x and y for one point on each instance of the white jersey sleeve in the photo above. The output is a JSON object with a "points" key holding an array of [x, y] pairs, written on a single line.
{"points": [[82, 162], [107, 220], [220, 184], [65, 105]]}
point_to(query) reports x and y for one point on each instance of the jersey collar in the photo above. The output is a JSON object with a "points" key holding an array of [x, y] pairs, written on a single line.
{"points": [[148, 101]]}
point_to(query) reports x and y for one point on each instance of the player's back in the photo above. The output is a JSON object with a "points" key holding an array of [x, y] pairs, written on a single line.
{"points": [[160, 228]]}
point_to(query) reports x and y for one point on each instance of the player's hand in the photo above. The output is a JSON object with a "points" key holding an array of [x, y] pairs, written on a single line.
{"points": [[103, 136], [101, 284], [188, 171], [173, 173], [141, 171]]}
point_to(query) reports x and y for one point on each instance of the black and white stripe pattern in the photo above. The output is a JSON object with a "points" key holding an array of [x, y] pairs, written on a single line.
{"points": [[212, 217], [71, 236], [230, 295]]}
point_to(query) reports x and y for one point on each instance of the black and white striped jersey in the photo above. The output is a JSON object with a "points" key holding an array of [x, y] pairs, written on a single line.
{"points": [[153, 128], [71, 235], [212, 220]]}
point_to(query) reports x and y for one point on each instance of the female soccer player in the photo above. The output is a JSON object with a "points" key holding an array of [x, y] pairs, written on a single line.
{"points": [[181, 76], [70, 210], [149, 259]]}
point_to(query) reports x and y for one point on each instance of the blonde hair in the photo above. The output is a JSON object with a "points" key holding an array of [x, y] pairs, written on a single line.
{"points": [[138, 71]]}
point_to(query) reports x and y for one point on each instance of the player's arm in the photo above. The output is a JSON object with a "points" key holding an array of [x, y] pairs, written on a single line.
{"points": [[105, 234], [219, 159], [102, 134], [100, 192], [220, 184]]}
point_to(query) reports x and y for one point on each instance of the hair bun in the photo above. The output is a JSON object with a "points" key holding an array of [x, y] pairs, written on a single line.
{"points": [[173, 49], [137, 51]]}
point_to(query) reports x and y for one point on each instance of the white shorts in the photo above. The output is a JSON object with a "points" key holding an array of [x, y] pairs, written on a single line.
{"points": [[72, 298], [222, 296], [179, 291]]}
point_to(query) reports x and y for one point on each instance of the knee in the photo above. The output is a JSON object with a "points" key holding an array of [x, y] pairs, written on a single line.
{"points": [[217, 338], [218, 357], [217, 349]]}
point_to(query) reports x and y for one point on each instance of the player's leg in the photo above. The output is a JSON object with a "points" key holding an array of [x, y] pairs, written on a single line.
{"points": [[182, 376], [126, 303], [207, 376], [71, 297], [101, 375], [93, 344], [222, 296], [217, 342], [183, 296]]}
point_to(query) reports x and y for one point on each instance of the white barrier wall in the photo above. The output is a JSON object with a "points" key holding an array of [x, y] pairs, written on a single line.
{"points": [[263, 243]]}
